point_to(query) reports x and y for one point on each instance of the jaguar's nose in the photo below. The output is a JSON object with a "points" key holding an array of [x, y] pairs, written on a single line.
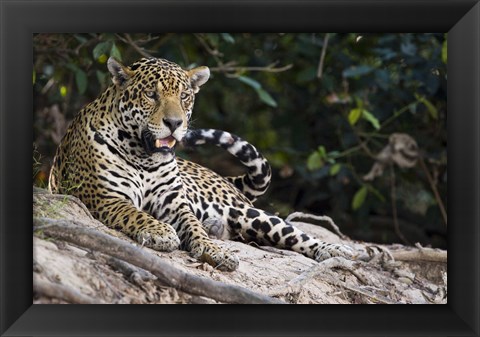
{"points": [[172, 123]]}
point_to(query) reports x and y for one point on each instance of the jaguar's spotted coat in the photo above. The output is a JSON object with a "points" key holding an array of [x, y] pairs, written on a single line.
{"points": [[118, 158]]}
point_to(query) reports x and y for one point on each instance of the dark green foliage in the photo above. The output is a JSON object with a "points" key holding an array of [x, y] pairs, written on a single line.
{"points": [[319, 134]]}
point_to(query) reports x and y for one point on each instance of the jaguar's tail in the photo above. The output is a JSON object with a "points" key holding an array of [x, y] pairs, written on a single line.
{"points": [[257, 179]]}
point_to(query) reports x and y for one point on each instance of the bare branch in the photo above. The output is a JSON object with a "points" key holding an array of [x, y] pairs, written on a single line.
{"points": [[140, 50], [212, 51], [393, 195], [231, 68], [322, 56], [434, 189], [317, 217]]}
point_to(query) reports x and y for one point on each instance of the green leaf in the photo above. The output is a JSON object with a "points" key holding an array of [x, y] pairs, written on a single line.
{"points": [[376, 193], [34, 76], [357, 71], [101, 49], [354, 115], [227, 37], [334, 154], [266, 98], [262, 94], [334, 169], [408, 48], [322, 151], [359, 198], [115, 52], [213, 38], [81, 80], [80, 38], [382, 78], [444, 51], [73, 67], [432, 110], [371, 118], [250, 82], [63, 91], [359, 102], [315, 161], [102, 58]]}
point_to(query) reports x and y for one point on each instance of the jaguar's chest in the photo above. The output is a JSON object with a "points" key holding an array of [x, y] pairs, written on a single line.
{"points": [[140, 179], [159, 185]]}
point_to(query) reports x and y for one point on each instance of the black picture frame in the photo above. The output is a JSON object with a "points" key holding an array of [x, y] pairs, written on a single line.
{"points": [[20, 19]]}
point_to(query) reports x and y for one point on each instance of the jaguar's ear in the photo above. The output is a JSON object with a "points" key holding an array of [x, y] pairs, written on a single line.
{"points": [[198, 76], [120, 73]]}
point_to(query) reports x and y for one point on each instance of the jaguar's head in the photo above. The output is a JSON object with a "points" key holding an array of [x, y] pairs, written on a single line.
{"points": [[155, 99]]}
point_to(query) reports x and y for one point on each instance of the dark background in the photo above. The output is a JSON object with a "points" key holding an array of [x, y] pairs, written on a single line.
{"points": [[267, 89]]}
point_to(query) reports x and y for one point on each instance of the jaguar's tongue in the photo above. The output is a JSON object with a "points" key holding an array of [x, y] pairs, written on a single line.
{"points": [[165, 142]]}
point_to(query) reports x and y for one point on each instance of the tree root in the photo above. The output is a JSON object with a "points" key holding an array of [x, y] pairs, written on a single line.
{"points": [[136, 275], [375, 297], [62, 292], [295, 285], [166, 273], [411, 254], [298, 282], [422, 254]]}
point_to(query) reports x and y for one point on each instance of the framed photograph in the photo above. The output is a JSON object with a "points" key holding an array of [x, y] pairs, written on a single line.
{"points": [[39, 25]]}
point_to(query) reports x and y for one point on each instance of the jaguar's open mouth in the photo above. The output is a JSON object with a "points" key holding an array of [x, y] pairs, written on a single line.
{"points": [[154, 145]]}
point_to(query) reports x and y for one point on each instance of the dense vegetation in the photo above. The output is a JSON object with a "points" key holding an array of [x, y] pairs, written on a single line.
{"points": [[319, 106]]}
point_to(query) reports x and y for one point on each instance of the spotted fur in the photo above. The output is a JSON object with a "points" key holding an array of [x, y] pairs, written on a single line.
{"points": [[118, 157]]}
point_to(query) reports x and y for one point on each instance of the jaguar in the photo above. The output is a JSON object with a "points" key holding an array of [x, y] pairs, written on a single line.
{"points": [[118, 157]]}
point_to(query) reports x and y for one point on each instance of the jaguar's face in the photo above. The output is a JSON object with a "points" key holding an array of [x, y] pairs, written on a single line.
{"points": [[155, 98]]}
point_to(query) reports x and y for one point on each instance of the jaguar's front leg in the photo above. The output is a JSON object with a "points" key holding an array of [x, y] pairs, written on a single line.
{"points": [[122, 215], [195, 240]]}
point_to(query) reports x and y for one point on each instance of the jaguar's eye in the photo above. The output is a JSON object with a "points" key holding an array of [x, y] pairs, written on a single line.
{"points": [[183, 95], [151, 94]]}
